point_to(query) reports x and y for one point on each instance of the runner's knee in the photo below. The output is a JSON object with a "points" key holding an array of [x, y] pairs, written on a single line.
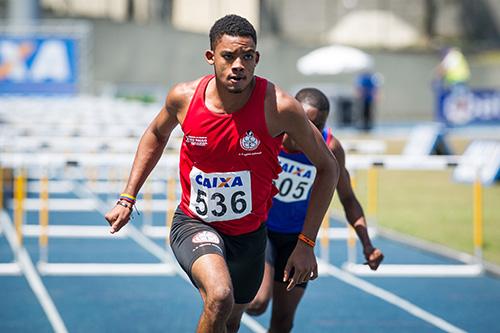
{"points": [[282, 322], [258, 306], [219, 301], [233, 326]]}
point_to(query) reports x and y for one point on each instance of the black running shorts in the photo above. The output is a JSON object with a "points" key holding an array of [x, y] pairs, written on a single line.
{"points": [[244, 254], [279, 248]]}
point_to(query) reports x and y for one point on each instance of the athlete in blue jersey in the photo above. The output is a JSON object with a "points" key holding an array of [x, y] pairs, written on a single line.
{"points": [[286, 217]]}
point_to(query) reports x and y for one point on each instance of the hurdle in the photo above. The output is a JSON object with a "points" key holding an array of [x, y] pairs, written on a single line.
{"points": [[351, 233], [9, 268], [148, 206], [171, 197], [472, 266], [170, 162], [327, 232], [43, 204], [478, 214], [44, 218], [102, 269], [1, 188], [16, 242], [324, 237], [19, 197]]}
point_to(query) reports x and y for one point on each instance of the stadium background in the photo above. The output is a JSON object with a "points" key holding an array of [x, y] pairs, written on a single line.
{"points": [[131, 52]]}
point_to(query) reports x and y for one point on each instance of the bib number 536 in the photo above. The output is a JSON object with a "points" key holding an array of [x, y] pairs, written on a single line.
{"points": [[237, 203], [220, 196]]}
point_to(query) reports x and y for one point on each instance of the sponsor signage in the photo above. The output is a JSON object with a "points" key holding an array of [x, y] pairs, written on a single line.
{"points": [[38, 65], [464, 107]]}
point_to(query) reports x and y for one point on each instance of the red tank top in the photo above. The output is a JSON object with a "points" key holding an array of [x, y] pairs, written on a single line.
{"points": [[228, 163]]}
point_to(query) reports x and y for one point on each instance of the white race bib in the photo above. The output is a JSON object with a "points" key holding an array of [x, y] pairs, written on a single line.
{"points": [[295, 181], [220, 196]]}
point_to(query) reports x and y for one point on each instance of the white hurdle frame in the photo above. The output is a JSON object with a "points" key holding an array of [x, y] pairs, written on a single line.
{"points": [[470, 268], [170, 162]]}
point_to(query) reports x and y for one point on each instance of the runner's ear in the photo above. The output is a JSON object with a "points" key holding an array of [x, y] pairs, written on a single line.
{"points": [[209, 57]]}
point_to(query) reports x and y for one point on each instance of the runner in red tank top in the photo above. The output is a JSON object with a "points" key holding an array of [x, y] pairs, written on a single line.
{"points": [[234, 197], [233, 124]]}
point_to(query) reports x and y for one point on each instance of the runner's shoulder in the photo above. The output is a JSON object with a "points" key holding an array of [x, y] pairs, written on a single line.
{"points": [[181, 93]]}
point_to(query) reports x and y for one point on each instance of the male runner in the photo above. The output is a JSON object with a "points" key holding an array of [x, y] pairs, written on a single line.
{"points": [[233, 124], [287, 215]]}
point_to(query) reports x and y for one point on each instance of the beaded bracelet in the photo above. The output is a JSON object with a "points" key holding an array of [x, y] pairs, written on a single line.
{"points": [[306, 240], [119, 202], [132, 202], [130, 199]]}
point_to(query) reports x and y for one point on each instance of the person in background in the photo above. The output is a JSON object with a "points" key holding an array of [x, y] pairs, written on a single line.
{"points": [[453, 70], [287, 215], [367, 86]]}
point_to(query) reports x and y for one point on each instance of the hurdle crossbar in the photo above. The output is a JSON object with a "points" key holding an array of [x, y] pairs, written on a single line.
{"points": [[105, 269], [10, 269], [73, 231], [408, 270]]}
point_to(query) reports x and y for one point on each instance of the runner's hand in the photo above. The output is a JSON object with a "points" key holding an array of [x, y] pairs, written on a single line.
{"points": [[373, 258], [118, 217], [301, 266]]}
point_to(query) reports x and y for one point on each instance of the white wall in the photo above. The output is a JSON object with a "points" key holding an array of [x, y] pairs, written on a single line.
{"points": [[199, 16]]}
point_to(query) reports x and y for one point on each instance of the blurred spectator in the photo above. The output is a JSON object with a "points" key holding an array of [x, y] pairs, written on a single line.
{"points": [[453, 70], [367, 88]]}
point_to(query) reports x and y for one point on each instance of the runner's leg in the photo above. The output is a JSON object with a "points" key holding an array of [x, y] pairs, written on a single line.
{"points": [[285, 304], [259, 304], [211, 275]]}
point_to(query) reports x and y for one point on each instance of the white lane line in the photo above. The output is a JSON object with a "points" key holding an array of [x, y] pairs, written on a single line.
{"points": [[160, 253], [32, 276], [388, 297]]}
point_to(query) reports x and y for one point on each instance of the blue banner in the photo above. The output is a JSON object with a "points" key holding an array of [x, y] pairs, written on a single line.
{"points": [[461, 106], [38, 65]]}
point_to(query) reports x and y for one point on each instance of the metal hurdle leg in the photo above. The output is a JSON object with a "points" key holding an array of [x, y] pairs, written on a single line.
{"points": [[44, 218]]}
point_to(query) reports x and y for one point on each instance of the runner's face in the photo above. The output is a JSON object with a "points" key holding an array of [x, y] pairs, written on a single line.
{"points": [[315, 116], [234, 60]]}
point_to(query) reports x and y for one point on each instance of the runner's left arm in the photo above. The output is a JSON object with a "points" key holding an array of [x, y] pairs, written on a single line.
{"points": [[352, 208], [294, 122]]}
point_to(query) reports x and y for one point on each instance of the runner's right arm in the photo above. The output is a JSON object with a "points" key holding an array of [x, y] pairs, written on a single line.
{"points": [[148, 153]]}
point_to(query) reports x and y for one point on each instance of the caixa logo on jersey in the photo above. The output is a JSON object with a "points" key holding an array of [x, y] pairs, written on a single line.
{"points": [[296, 169], [462, 107], [218, 182]]}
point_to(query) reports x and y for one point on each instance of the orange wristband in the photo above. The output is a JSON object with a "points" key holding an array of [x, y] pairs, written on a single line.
{"points": [[307, 240]]}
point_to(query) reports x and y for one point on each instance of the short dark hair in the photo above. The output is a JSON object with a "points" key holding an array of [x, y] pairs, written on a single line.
{"points": [[232, 25], [317, 99]]}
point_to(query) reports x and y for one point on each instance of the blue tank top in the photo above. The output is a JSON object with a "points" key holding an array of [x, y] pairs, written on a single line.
{"points": [[294, 184]]}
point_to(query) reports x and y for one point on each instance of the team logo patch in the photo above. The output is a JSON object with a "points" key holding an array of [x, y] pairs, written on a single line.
{"points": [[201, 141], [249, 141], [205, 236]]}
